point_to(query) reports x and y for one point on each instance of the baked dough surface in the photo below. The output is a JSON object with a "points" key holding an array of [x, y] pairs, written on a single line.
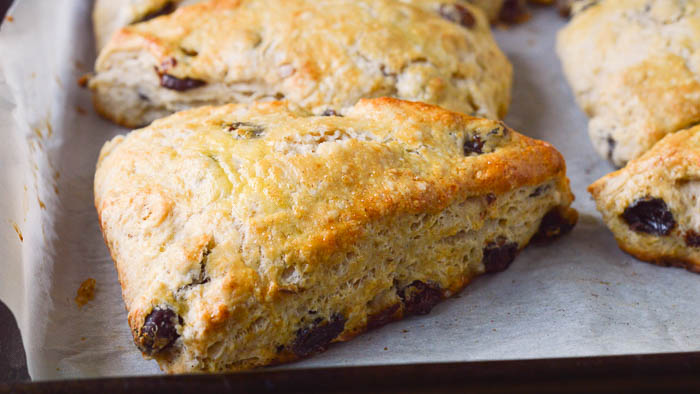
{"points": [[318, 54], [247, 235], [634, 67], [652, 205]]}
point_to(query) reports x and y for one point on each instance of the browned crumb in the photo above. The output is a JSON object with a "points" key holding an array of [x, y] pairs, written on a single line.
{"points": [[83, 80], [41, 203], [9, 18], [386, 348], [18, 231], [80, 110], [86, 292]]}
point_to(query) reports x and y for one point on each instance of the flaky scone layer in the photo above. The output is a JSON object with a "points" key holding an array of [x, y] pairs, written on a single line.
{"points": [[634, 66], [320, 55], [652, 205], [246, 235]]}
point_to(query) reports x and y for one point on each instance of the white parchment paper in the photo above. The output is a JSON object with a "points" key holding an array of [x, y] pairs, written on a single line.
{"points": [[580, 296]]}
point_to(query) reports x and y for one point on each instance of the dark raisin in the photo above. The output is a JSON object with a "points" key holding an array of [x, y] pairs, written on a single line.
{"points": [[514, 11], [539, 190], [383, 317], [386, 73], [245, 129], [317, 337], [159, 330], [419, 298], [143, 97], [555, 224], [457, 13], [692, 239], [649, 215], [611, 147], [330, 112], [499, 254], [564, 8], [167, 8], [473, 145], [169, 82], [490, 198]]}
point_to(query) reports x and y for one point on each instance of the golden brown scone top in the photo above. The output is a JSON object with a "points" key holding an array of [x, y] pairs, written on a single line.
{"points": [[268, 181], [321, 54], [673, 161]]}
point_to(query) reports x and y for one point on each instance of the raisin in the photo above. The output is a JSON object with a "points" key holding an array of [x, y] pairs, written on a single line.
{"points": [[692, 239], [245, 129], [499, 254], [167, 8], [180, 84], [330, 112], [419, 298], [473, 145], [317, 337], [649, 215], [513, 11], [554, 224], [490, 198], [539, 190], [611, 147], [457, 13], [159, 330], [383, 317]]}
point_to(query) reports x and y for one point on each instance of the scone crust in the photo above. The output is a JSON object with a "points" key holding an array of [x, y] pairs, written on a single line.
{"points": [[289, 188], [670, 171], [634, 68], [318, 55]]}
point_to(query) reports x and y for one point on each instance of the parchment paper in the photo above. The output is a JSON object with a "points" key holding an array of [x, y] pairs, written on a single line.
{"points": [[580, 296]]}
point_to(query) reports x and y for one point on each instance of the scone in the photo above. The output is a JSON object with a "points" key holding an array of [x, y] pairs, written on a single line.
{"points": [[249, 235], [108, 16], [634, 69], [320, 55], [652, 205]]}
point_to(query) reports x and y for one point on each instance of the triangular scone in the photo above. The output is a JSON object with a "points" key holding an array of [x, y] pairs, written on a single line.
{"points": [[246, 235], [320, 55], [634, 67], [652, 205]]}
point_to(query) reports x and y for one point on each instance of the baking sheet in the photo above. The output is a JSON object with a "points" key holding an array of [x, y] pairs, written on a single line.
{"points": [[578, 297]]}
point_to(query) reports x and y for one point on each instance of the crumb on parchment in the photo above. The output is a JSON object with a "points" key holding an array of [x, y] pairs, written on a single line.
{"points": [[86, 292], [83, 80]]}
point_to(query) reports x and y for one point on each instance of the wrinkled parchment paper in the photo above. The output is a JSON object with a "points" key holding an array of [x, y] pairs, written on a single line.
{"points": [[580, 296]]}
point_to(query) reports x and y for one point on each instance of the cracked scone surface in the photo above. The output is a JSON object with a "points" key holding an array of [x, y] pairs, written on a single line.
{"points": [[634, 67], [652, 205], [320, 55], [247, 235]]}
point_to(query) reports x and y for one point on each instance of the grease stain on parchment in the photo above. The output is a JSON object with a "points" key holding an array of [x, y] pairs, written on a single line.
{"points": [[86, 292]]}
